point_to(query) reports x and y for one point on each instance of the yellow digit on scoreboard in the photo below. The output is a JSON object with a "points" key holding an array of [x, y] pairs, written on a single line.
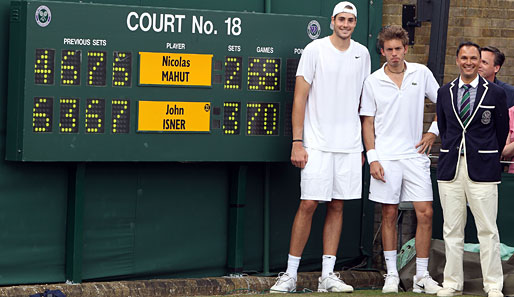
{"points": [[69, 115], [70, 67], [42, 114], [263, 74], [231, 118], [262, 118], [95, 116]]}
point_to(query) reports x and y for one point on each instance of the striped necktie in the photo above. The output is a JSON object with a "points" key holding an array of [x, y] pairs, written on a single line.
{"points": [[465, 106]]}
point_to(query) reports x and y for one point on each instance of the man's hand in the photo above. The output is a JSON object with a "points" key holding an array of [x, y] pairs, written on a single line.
{"points": [[425, 145], [377, 171], [299, 155]]}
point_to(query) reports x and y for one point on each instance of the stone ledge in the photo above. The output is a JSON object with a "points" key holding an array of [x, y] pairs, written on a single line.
{"points": [[189, 287]]}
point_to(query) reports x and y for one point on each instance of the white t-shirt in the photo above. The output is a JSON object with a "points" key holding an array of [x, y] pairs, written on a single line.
{"points": [[332, 112], [398, 112]]}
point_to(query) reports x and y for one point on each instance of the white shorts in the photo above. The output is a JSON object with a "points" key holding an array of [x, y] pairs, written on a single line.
{"points": [[406, 180], [330, 176]]}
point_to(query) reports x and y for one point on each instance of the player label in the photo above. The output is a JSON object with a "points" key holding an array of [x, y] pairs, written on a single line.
{"points": [[175, 69], [166, 116]]}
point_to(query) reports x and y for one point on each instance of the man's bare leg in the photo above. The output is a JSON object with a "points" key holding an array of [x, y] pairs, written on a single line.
{"points": [[424, 214], [389, 236], [302, 227], [331, 236], [333, 226]]}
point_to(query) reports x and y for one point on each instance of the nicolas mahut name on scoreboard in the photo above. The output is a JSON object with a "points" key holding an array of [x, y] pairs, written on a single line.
{"points": [[175, 69]]}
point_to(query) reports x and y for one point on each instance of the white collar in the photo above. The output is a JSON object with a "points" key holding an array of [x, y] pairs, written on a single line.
{"points": [[473, 84]]}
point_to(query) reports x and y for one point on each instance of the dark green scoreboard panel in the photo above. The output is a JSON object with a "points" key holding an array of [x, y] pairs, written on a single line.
{"points": [[91, 82]]}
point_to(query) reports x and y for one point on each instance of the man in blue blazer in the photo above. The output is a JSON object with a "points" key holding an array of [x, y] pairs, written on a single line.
{"points": [[492, 61], [473, 124]]}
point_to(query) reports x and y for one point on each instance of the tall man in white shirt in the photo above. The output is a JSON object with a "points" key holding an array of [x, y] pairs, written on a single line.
{"points": [[327, 141], [392, 124]]}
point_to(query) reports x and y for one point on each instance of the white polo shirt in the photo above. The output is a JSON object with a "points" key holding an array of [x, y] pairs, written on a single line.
{"points": [[336, 77], [398, 112]]}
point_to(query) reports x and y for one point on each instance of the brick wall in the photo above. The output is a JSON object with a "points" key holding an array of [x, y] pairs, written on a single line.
{"points": [[486, 22]]}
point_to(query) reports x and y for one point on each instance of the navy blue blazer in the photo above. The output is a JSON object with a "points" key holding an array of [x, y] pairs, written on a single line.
{"points": [[482, 139], [509, 91]]}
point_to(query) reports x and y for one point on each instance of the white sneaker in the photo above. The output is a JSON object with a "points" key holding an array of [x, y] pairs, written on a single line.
{"points": [[284, 284], [333, 283], [448, 292], [494, 293], [425, 284], [391, 283]]}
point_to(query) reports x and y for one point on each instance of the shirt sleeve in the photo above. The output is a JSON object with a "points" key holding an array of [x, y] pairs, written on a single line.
{"points": [[367, 65], [368, 105], [307, 64], [431, 86]]}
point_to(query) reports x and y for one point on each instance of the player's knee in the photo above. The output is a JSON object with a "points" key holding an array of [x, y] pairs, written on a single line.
{"points": [[389, 215], [335, 206], [425, 216], [308, 206]]}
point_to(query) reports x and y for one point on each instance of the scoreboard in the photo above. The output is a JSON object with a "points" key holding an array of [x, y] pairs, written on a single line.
{"points": [[95, 82]]}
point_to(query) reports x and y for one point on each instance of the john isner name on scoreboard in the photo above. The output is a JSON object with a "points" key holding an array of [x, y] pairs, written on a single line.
{"points": [[173, 116], [174, 124]]}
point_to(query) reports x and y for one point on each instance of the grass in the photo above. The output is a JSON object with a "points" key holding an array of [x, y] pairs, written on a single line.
{"points": [[357, 293]]}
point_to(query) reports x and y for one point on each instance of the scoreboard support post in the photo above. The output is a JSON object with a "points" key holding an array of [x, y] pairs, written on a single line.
{"points": [[266, 221], [74, 224], [237, 219]]}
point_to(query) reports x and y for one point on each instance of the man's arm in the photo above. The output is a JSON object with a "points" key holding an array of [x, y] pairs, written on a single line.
{"points": [[368, 133], [428, 139], [299, 156], [508, 150], [441, 120]]}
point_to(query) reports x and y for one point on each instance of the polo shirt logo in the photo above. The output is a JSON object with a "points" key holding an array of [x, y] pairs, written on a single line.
{"points": [[414, 83]]}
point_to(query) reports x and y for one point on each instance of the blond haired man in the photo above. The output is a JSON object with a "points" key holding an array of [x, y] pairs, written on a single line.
{"points": [[392, 124]]}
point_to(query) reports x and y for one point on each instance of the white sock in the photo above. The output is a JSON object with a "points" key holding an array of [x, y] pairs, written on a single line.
{"points": [[292, 266], [390, 259], [421, 267], [328, 263]]}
